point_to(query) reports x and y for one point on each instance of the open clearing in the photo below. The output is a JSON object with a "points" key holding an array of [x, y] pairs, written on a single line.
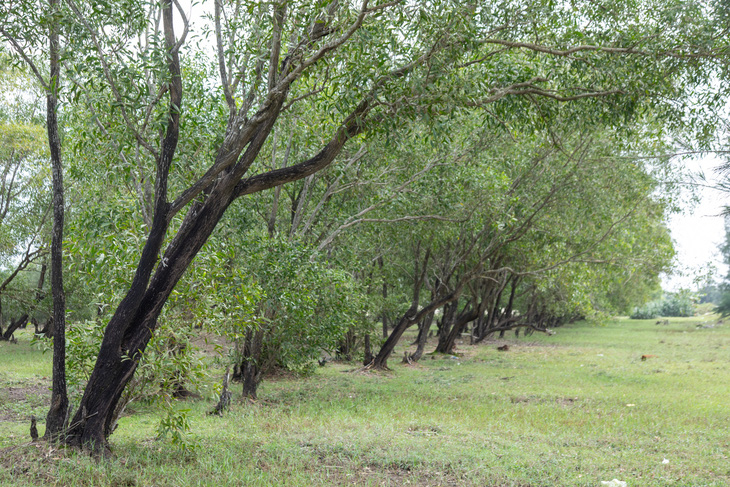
{"points": [[573, 409]]}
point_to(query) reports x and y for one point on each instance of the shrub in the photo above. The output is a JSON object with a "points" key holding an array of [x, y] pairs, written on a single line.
{"points": [[679, 304]]}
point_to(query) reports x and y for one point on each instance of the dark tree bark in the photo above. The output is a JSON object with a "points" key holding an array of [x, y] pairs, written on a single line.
{"points": [[14, 325], [29, 256], [447, 320], [412, 315], [57, 414], [488, 325], [224, 402], [447, 344], [346, 346], [423, 328], [381, 359], [23, 319], [251, 365], [368, 355]]}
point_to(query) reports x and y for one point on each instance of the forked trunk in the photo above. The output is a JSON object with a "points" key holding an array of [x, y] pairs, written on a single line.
{"points": [[134, 321], [251, 378], [447, 321], [447, 344], [423, 330]]}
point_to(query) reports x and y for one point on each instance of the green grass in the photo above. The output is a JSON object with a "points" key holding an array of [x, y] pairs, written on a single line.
{"points": [[568, 410]]}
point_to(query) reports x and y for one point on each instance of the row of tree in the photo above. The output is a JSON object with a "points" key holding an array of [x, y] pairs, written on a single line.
{"points": [[303, 177]]}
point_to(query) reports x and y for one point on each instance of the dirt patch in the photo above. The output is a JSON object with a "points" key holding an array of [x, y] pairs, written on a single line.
{"points": [[19, 400], [210, 344], [560, 401]]}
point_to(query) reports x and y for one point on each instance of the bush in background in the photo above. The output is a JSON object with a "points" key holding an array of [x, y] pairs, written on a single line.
{"points": [[679, 304]]}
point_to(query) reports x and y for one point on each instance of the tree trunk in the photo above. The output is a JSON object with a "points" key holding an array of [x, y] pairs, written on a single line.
{"points": [[368, 356], [224, 402], [251, 378], [23, 320], [135, 319], [423, 330], [57, 414], [408, 319], [251, 364], [446, 323], [381, 360], [346, 346], [411, 316], [385, 297], [447, 320], [14, 325], [447, 344], [46, 329]]}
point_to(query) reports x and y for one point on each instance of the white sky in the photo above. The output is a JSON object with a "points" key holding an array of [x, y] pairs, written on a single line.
{"points": [[698, 233]]}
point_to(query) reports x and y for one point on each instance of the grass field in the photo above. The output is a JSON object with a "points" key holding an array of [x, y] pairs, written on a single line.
{"points": [[573, 409]]}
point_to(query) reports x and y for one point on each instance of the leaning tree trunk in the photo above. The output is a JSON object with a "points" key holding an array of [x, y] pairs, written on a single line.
{"points": [[411, 316], [56, 417], [23, 320], [134, 321], [381, 359], [14, 325]]}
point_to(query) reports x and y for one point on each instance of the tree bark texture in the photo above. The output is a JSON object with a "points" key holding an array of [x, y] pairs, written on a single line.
{"points": [[57, 414]]}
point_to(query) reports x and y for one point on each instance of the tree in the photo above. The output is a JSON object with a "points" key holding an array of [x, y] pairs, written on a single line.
{"points": [[364, 68], [57, 414]]}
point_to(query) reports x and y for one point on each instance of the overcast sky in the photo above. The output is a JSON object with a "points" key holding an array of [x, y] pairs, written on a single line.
{"points": [[698, 232]]}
